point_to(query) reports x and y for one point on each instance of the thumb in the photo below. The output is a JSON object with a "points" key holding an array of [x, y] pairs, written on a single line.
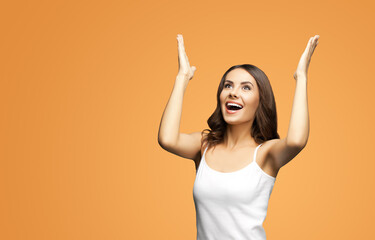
{"points": [[193, 68]]}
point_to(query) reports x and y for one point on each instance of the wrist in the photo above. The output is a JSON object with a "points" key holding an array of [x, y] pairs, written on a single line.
{"points": [[181, 82], [181, 77], [300, 77]]}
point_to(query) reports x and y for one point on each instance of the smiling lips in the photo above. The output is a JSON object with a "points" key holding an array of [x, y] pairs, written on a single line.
{"points": [[232, 107]]}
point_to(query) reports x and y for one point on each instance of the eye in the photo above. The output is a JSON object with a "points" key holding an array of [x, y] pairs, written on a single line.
{"points": [[225, 86]]}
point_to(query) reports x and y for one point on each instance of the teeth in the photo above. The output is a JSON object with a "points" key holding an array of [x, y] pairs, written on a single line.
{"points": [[233, 104]]}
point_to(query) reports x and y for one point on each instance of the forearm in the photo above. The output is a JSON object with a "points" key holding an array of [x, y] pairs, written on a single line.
{"points": [[169, 128], [299, 125]]}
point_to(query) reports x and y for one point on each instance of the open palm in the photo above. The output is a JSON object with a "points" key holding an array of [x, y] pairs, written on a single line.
{"points": [[183, 61], [304, 61]]}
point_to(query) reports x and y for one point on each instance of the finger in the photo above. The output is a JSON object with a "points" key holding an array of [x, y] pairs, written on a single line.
{"points": [[308, 47], [316, 44], [182, 52], [182, 44], [186, 58], [316, 41], [181, 49], [181, 38], [313, 43]]}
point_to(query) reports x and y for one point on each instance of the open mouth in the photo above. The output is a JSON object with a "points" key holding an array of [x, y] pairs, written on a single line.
{"points": [[232, 107]]}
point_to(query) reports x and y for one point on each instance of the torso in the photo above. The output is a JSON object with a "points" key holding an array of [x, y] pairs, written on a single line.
{"points": [[223, 160]]}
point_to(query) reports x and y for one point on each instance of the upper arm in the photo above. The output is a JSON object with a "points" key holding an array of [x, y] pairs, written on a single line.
{"points": [[187, 145], [280, 152]]}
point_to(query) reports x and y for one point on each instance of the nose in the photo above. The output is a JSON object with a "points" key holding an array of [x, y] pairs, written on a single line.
{"points": [[233, 93]]}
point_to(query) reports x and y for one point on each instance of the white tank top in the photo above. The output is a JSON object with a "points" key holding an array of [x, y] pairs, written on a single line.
{"points": [[231, 205]]}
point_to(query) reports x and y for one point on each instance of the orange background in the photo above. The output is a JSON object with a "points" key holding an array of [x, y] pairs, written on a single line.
{"points": [[84, 85]]}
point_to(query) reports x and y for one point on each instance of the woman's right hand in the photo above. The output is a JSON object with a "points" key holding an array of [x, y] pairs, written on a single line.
{"points": [[185, 71]]}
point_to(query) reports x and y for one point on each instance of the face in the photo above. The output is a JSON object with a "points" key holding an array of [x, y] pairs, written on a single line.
{"points": [[241, 88]]}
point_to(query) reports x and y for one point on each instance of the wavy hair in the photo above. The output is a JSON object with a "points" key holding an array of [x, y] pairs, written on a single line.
{"points": [[265, 122]]}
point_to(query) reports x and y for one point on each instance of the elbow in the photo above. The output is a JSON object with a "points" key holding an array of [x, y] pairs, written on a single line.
{"points": [[162, 140], [298, 143], [301, 144], [163, 143]]}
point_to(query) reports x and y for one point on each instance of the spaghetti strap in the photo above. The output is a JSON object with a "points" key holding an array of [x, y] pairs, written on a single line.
{"points": [[204, 153], [255, 152], [225, 200]]}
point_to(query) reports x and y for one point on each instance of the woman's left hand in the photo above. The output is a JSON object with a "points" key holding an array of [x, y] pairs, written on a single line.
{"points": [[304, 62]]}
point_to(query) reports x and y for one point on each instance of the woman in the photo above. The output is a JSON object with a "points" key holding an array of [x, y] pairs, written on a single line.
{"points": [[238, 159]]}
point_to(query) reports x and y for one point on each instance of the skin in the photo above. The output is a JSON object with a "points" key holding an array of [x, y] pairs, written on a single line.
{"points": [[238, 147], [246, 94], [238, 144], [273, 154]]}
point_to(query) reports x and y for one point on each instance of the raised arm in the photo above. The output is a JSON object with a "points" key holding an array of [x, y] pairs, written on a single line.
{"points": [[169, 136], [284, 150], [298, 131]]}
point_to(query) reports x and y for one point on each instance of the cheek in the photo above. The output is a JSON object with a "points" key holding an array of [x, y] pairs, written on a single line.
{"points": [[252, 102], [222, 98]]}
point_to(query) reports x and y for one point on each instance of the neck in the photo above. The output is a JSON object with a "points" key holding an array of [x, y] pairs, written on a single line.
{"points": [[238, 136]]}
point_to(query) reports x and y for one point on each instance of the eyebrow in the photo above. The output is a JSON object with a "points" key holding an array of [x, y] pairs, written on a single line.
{"points": [[241, 83]]}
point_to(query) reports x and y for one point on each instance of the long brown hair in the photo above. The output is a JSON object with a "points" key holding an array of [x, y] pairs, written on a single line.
{"points": [[265, 123]]}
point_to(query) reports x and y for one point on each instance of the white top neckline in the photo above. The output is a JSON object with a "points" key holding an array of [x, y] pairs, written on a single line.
{"points": [[241, 169]]}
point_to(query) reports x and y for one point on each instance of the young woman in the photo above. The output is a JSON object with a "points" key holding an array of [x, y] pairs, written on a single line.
{"points": [[238, 158]]}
